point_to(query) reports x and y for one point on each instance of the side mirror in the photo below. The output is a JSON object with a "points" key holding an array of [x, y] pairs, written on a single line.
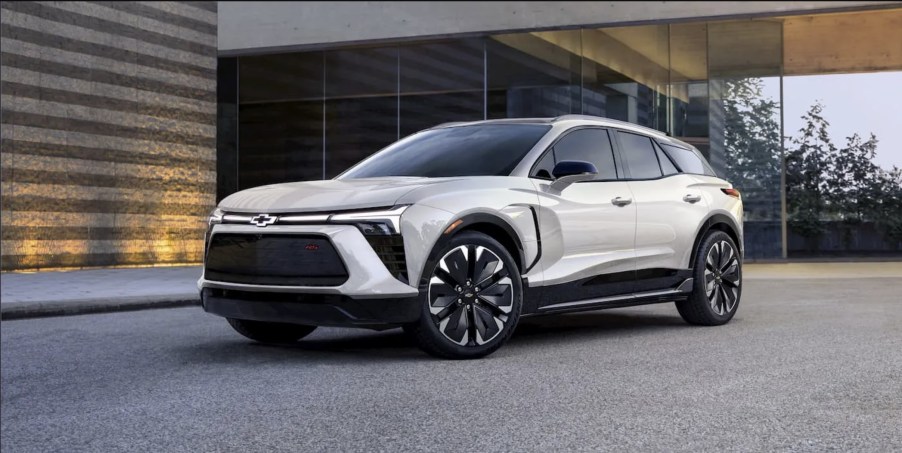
{"points": [[567, 172]]}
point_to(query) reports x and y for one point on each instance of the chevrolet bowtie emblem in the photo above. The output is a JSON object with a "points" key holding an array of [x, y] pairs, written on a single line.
{"points": [[262, 220]]}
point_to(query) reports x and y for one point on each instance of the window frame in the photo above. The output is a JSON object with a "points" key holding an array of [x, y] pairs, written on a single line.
{"points": [[618, 166], [621, 151]]}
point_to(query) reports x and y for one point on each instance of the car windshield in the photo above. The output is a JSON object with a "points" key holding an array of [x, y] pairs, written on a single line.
{"points": [[477, 150]]}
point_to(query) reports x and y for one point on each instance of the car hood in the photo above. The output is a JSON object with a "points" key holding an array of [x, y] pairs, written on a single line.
{"points": [[329, 195]]}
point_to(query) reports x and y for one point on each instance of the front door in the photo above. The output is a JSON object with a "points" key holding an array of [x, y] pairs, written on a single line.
{"points": [[589, 228]]}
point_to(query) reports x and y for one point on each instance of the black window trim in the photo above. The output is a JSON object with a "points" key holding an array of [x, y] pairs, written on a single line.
{"points": [[618, 166]]}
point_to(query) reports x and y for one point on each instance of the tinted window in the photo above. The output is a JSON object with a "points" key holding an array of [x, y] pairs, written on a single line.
{"points": [[687, 160], [480, 150], [588, 145], [639, 155], [666, 164]]}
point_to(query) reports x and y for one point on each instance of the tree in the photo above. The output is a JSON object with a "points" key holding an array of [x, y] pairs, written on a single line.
{"points": [[806, 160], [752, 146]]}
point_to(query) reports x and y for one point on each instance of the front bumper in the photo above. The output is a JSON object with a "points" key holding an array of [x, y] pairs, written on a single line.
{"points": [[311, 309], [370, 296]]}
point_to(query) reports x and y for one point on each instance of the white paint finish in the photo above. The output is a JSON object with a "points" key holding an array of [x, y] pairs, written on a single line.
{"points": [[246, 26], [583, 232], [665, 223], [329, 195]]}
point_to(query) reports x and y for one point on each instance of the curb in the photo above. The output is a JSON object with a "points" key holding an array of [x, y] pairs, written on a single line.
{"points": [[44, 309]]}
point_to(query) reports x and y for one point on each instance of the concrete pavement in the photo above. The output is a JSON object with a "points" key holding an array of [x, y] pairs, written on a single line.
{"points": [[806, 365], [55, 293], [30, 295]]}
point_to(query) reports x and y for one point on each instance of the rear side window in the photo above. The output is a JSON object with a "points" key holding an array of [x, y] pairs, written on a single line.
{"points": [[587, 145], [687, 160], [640, 156]]}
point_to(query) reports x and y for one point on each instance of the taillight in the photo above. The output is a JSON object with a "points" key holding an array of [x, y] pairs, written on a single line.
{"points": [[731, 192]]}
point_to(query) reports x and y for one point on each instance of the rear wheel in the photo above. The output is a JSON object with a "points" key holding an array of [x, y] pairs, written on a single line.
{"points": [[472, 298], [270, 332], [718, 282]]}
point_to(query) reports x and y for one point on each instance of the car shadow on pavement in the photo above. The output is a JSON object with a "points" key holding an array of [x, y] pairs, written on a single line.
{"points": [[393, 345], [590, 326]]}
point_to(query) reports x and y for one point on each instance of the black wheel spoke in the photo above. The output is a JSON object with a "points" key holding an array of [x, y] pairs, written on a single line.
{"points": [[470, 295], [492, 307], [445, 277], [490, 282], [471, 263]]}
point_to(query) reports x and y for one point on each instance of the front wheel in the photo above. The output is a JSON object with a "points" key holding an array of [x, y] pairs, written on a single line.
{"points": [[270, 332], [471, 300], [718, 282]]}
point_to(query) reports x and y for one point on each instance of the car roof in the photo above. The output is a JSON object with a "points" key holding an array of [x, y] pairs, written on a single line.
{"points": [[576, 120]]}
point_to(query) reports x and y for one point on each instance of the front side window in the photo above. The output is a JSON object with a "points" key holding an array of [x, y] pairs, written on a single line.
{"points": [[477, 150], [588, 145], [640, 156]]}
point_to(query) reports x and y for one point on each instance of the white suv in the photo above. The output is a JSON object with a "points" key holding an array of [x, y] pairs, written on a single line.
{"points": [[455, 232]]}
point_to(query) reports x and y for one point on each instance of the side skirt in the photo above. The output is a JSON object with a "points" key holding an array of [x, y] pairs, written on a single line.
{"points": [[680, 292]]}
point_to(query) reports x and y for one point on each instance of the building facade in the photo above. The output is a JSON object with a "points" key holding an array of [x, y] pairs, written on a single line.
{"points": [[114, 148], [108, 132]]}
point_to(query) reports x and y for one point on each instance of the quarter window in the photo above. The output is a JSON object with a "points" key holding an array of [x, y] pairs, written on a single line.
{"points": [[588, 145], [666, 164], [687, 160], [640, 156]]}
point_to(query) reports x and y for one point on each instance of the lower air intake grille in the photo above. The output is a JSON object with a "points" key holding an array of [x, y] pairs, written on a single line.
{"points": [[274, 259], [391, 251]]}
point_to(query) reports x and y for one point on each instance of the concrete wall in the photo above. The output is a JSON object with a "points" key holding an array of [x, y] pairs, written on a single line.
{"points": [[250, 27], [108, 132]]}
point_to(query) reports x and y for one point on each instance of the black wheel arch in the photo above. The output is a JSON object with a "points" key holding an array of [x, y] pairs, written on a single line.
{"points": [[721, 222], [492, 226]]}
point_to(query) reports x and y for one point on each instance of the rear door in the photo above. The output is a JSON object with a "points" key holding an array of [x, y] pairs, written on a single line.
{"points": [[588, 229], [669, 208]]}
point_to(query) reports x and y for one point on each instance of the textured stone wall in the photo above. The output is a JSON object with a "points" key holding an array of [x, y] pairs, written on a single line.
{"points": [[108, 132]]}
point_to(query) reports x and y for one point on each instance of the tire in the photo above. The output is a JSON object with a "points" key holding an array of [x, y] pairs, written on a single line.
{"points": [[270, 332], [717, 285], [470, 296]]}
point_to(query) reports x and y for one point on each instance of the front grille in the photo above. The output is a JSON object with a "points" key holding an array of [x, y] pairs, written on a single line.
{"points": [[391, 251], [274, 259]]}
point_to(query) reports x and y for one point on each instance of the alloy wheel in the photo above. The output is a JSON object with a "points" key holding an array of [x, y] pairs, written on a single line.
{"points": [[470, 295], [722, 277]]}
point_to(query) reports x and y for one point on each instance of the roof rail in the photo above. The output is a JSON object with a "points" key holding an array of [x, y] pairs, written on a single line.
{"points": [[574, 116]]}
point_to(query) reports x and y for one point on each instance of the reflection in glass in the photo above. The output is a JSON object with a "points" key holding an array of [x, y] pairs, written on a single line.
{"points": [[280, 119], [625, 73], [361, 105], [744, 58], [441, 82], [533, 74]]}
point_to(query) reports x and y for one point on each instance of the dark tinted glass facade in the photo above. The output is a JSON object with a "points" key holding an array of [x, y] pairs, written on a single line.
{"points": [[716, 85]]}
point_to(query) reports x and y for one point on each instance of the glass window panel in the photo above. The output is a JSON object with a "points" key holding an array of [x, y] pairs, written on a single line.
{"points": [[688, 161], [280, 135], [744, 125], [640, 156], [625, 74], [588, 145], [361, 107], [533, 74], [441, 82], [666, 164]]}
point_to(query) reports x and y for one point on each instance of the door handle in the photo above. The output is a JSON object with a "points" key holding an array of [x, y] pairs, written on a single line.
{"points": [[620, 201], [689, 198]]}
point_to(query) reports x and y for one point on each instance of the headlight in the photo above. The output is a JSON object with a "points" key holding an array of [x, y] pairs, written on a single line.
{"points": [[215, 217], [383, 222]]}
